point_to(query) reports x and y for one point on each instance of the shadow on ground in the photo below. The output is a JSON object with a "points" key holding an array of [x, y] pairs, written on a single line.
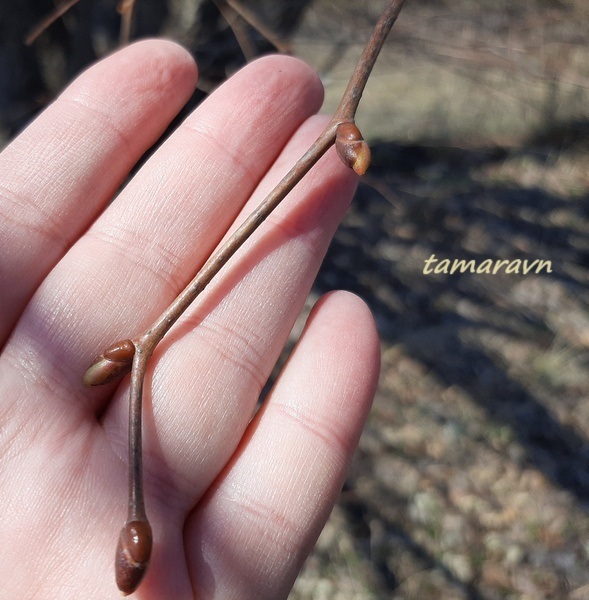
{"points": [[514, 345]]}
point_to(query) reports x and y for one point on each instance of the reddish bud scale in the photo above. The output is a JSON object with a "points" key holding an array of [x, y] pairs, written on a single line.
{"points": [[132, 556], [121, 351], [351, 147], [115, 362]]}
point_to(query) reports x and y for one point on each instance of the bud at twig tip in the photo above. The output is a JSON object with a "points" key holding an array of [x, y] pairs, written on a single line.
{"points": [[132, 556]]}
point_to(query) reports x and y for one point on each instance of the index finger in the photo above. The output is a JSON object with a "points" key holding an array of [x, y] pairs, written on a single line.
{"points": [[61, 171]]}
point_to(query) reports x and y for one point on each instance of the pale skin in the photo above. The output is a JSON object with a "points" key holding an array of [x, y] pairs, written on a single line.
{"points": [[235, 504]]}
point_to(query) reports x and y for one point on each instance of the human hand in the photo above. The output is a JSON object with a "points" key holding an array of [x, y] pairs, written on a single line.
{"points": [[235, 504]]}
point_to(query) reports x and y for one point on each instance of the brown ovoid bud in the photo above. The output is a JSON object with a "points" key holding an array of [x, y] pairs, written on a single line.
{"points": [[132, 556], [351, 147], [115, 362]]}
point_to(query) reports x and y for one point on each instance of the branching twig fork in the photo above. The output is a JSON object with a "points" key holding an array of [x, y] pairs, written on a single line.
{"points": [[134, 548]]}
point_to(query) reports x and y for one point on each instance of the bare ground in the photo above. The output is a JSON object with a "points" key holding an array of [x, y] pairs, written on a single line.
{"points": [[472, 476]]}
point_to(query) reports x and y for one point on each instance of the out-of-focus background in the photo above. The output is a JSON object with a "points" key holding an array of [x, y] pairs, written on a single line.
{"points": [[472, 476]]}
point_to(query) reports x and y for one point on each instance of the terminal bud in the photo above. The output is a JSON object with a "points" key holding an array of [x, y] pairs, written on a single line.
{"points": [[132, 556]]}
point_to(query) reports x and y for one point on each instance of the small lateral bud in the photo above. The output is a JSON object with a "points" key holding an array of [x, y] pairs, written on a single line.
{"points": [[115, 362], [132, 556], [351, 147]]}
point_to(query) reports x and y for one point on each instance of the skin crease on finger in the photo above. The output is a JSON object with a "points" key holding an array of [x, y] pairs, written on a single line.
{"points": [[66, 323]]}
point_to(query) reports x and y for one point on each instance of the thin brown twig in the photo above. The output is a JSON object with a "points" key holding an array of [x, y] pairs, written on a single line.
{"points": [[126, 9], [134, 547], [250, 18], [49, 20], [234, 21], [355, 88]]}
